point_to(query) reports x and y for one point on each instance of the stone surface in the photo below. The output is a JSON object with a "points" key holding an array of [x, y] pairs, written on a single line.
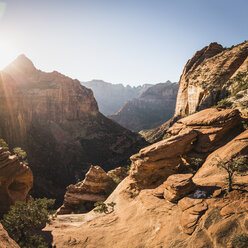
{"points": [[204, 78], [56, 121], [152, 108], [178, 186], [16, 180], [5, 240], [153, 164], [80, 198], [209, 174], [214, 127]]}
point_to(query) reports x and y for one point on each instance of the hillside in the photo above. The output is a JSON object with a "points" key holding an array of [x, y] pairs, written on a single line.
{"points": [[111, 97], [152, 108], [56, 120]]}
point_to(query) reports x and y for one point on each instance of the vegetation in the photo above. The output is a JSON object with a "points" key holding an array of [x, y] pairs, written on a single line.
{"points": [[240, 241], [238, 164], [224, 103], [195, 164], [3, 144], [25, 220], [241, 79], [102, 207], [21, 154]]}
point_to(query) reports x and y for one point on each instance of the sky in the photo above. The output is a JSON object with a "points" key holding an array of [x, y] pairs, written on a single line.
{"points": [[119, 41]]}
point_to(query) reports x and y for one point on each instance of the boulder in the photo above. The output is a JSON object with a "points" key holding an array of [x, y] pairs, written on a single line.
{"points": [[212, 125], [210, 175], [80, 198], [178, 186], [16, 180], [153, 164]]}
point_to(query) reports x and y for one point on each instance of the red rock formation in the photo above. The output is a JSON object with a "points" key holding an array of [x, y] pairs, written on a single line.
{"points": [[56, 121], [80, 198], [202, 83], [16, 180]]}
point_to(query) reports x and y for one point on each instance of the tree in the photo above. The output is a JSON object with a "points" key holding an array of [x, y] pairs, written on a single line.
{"points": [[238, 164], [3, 144], [25, 220], [102, 207]]}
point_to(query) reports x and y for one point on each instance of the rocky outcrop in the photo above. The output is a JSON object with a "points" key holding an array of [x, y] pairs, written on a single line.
{"points": [[153, 164], [207, 76], [5, 240], [152, 108], [80, 198], [177, 186], [56, 121], [16, 180], [111, 97], [209, 174]]}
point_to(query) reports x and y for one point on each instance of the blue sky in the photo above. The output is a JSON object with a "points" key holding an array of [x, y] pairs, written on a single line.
{"points": [[120, 41]]}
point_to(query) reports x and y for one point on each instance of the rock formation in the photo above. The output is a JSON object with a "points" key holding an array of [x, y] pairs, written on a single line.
{"points": [[16, 180], [56, 121], [5, 240], [152, 108], [80, 198], [111, 97], [206, 75]]}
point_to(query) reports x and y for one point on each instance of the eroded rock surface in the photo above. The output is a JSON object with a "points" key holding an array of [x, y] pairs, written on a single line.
{"points": [[80, 198], [5, 240], [16, 180]]}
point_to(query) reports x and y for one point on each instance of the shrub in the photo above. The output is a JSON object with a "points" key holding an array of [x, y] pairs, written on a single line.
{"points": [[21, 154], [3, 144], [238, 164], [102, 207], [25, 220], [224, 103], [240, 241]]}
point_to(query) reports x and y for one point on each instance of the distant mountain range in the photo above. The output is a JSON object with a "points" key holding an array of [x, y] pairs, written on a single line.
{"points": [[111, 97], [152, 108]]}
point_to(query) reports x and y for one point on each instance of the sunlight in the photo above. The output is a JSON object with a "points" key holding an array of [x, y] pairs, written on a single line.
{"points": [[8, 53]]}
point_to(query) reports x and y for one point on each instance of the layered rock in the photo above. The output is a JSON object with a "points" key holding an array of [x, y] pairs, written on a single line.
{"points": [[111, 97], [152, 108], [56, 121], [80, 198], [5, 240], [16, 180], [177, 186], [206, 75], [210, 174]]}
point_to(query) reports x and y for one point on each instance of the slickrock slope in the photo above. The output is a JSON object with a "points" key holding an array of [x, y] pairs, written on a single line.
{"points": [[207, 76], [56, 121], [16, 180], [5, 240], [111, 97], [199, 216], [81, 197], [155, 106]]}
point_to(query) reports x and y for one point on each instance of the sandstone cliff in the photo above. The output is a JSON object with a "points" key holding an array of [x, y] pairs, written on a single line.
{"points": [[16, 180], [111, 97], [5, 240], [207, 75], [56, 120], [152, 108]]}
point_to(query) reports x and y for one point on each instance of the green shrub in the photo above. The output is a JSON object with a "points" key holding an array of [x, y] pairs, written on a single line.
{"points": [[3, 144], [102, 207], [224, 103], [21, 154], [240, 241], [25, 220]]}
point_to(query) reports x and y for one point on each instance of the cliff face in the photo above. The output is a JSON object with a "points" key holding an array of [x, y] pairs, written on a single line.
{"points": [[111, 97], [207, 76], [153, 107], [56, 120], [16, 180]]}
